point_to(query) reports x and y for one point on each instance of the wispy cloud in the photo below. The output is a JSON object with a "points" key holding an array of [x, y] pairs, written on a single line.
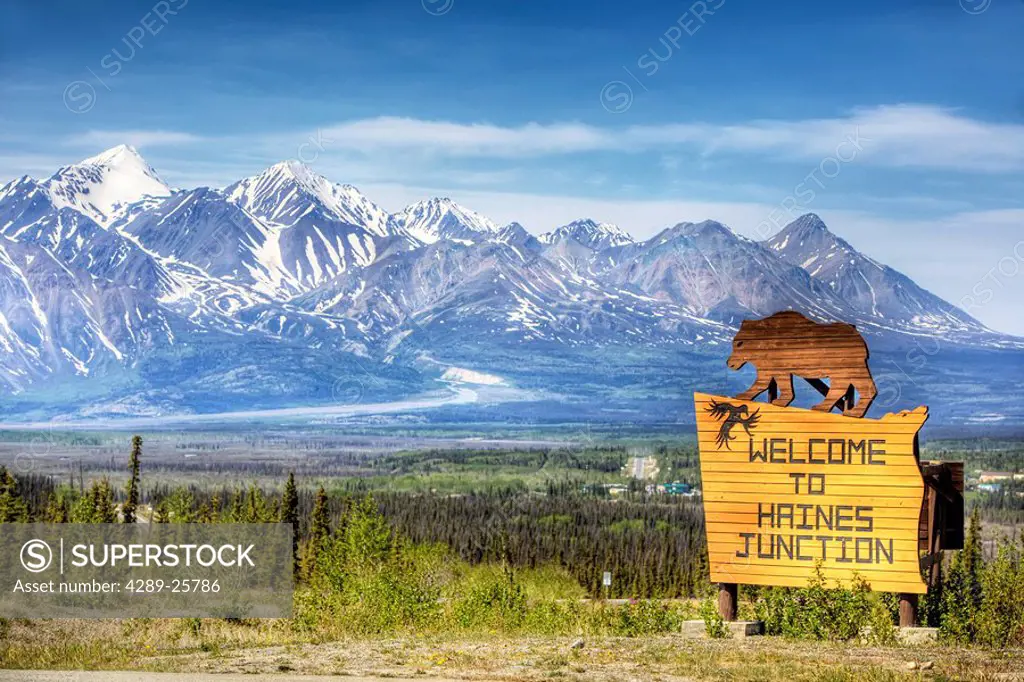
{"points": [[897, 136], [136, 138], [908, 135], [472, 139]]}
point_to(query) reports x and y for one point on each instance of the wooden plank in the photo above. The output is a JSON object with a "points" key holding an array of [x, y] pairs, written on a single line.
{"points": [[740, 465], [777, 491], [730, 508], [803, 428], [901, 422], [904, 539], [754, 497], [723, 570], [876, 583], [836, 478], [749, 518], [833, 561], [906, 571]]}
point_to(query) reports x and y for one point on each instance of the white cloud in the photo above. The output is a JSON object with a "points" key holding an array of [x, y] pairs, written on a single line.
{"points": [[104, 139], [908, 135], [462, 139], [901, 136]]}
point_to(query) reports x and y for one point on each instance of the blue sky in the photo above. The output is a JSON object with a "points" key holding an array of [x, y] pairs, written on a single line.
{"points": [[901, 124]]}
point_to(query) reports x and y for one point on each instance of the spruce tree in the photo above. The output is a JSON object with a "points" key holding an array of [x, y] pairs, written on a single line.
{"points": [[163, 515], [319, 529], [13, 509], [368, 539], [961, 593], [105, 509], [256, 510], [57, 508], [973, 558], [290, 514], [235, 513], [84, 508], [131, 504]]}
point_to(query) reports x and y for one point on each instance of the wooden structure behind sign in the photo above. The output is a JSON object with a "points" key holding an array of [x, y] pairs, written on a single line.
{"points": [[788, 490]]}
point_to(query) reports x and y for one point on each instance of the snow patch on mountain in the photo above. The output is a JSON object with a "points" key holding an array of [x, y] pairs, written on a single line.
{"points": [[441, 218], [469, 376], [589, 233]]}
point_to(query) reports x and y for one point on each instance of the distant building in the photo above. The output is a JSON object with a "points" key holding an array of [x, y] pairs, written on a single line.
{"points": [[992, 476], [676, 488], [989, 487]]}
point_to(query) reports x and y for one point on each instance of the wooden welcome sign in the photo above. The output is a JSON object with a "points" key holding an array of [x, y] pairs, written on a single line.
{"points": [[800, 487], [787, 490]]}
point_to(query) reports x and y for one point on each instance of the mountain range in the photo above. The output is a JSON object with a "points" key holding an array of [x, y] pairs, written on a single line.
{"points": [[122, 296]]}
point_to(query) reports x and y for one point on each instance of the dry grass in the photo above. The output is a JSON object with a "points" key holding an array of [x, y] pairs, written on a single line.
{"points": [[271, 646]]}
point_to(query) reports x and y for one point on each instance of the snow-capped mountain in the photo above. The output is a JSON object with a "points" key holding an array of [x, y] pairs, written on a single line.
{"points": [[589, 233], [714, 273], [497, 292], [61, 321], [869, 287], [516, 236], [30, 214], [102, 186], [263, 292], [283, 231], [436, 219], [288, 192]]}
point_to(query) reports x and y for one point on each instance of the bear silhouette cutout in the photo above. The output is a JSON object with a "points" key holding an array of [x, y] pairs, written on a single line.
{"points": [[787, 344]]}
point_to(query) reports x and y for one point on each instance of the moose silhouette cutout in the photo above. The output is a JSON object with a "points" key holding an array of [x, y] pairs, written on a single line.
{"points": [[787, 344]]}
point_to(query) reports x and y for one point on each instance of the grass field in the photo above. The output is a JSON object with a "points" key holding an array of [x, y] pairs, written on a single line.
{"points": [[270, 647]]}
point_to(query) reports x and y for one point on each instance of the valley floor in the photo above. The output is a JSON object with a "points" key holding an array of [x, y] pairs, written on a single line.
{"points": [[48, 646]]}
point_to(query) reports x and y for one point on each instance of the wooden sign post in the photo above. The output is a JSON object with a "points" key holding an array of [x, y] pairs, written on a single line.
{"points": [[790, 491]]}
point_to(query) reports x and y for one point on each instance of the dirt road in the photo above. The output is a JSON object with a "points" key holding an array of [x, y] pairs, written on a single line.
{"points": [[107, 676]]}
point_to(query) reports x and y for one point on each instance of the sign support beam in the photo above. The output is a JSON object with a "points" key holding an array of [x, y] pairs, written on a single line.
{"points": [[908, 610], [728, 601]]}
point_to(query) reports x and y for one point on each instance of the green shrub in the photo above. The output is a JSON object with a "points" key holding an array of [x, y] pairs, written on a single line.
{"points": [[367, 580], [646, 617], [816, 611], [494, 602], [386, 601], [1000, 619], [714, 625], [882, 620], [550, 617], [962, 590]]}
